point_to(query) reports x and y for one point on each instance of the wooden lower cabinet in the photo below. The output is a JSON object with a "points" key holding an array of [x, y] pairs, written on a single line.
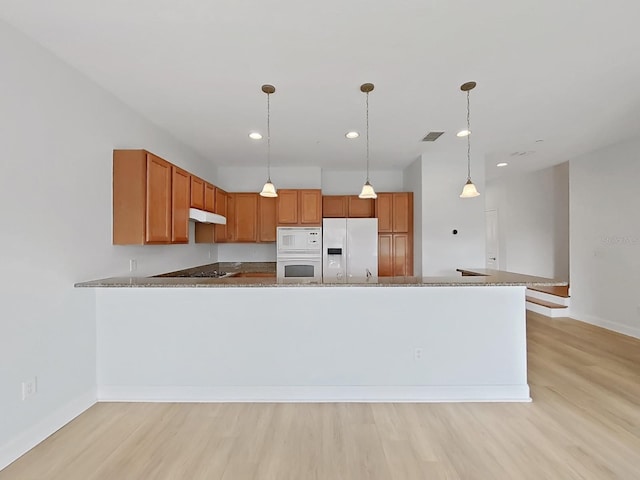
{"points": [[385, 255], [395, 255]]}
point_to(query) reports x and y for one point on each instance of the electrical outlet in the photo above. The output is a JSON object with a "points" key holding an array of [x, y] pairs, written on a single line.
{"points": [[133, 265], [210, 254], [417, 354], [29, 388]]}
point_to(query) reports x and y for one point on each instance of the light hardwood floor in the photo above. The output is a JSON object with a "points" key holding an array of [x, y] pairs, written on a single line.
{"points": [[584, 423]]}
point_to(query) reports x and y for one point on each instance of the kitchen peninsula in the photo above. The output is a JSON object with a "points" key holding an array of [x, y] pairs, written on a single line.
{"points": [[256, 339]]}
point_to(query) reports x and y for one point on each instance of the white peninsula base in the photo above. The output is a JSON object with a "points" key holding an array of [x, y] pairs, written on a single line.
{"points": [[306, 344]]}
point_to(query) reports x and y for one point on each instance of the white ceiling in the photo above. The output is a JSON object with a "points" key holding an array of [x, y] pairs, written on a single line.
{"points": [[562, 71]]}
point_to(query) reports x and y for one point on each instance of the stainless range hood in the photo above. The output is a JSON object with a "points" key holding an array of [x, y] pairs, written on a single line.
{"points": [[206, 217]]}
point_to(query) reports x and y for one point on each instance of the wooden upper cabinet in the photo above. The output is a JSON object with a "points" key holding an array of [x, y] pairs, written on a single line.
{"points": [[334, 206], [360, 207], [209, 197], [180, 205], [158, 200], [231, 217], [394, 212], [246, 217], [220, 234], [141, 198], [310, 207], [197, 193], [384, 212], [266, 219], [402, 212], [287, 207]]}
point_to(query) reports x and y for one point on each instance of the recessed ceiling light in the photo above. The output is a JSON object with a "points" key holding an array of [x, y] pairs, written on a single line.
{"points": [[502, 164], [255, 136], [463, 133], [352, 134]]}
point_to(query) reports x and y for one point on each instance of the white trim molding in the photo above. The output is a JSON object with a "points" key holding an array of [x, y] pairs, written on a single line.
{"points": [[317, 394]]}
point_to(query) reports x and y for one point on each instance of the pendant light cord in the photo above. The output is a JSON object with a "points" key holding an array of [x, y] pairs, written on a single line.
{"points": [[367, 116], [468, 141], [268, 138]]}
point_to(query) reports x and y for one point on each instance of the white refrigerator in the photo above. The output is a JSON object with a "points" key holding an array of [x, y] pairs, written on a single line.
{"points": [[349, 249]]}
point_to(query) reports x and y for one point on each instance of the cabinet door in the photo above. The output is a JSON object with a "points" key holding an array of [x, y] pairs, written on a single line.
{"points": [[401, 212], [266, 219], [334, 206], [220, 231], [158, 201], [246, 217], [287, 206], [310, 212], [384, 212], [180, 206], [401, 254], [209, 197], [231, 217], [385, 255], [361, 207], [197, 193]]}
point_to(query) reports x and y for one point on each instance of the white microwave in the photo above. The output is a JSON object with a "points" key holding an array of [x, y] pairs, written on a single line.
{"points": [[299, 240]]}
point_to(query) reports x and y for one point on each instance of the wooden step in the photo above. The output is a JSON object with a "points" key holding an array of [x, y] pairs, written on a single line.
{"points": [[557, 291], [544, 303]]}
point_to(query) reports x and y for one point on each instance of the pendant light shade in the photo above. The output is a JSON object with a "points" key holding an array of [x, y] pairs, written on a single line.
{"points": [[469, 190], [269, 189], [367, 188], [367, 191]]}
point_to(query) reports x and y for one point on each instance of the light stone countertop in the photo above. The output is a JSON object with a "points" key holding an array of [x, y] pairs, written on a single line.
{"points": [[473, 277]]}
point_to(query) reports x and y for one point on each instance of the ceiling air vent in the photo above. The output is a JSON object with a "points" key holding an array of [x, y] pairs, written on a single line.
{"points": [[432, 136]]}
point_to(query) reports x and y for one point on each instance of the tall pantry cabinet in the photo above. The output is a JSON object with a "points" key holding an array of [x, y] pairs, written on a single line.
{"points": [[395, 234]]}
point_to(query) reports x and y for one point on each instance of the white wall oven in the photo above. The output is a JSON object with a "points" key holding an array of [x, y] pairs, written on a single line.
{"points": [[299, 254]]}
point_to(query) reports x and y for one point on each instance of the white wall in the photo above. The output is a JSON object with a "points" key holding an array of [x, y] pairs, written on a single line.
{"points": [[412, 176], [443, 176], [339, 182], [533, 217], [605, 238], [251, 179], [57, 132]]}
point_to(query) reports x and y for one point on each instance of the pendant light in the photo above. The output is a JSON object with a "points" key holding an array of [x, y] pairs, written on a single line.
{"points": [[367, 188], [269, 189], [469, 190]]}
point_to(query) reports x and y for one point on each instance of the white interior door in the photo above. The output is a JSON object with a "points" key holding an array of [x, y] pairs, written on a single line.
{"points": [[491, 229]]}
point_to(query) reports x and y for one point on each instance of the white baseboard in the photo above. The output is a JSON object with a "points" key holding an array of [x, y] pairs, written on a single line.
{"points": [[318, 394], [546, 311], [31, 437], [609, 325]]}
